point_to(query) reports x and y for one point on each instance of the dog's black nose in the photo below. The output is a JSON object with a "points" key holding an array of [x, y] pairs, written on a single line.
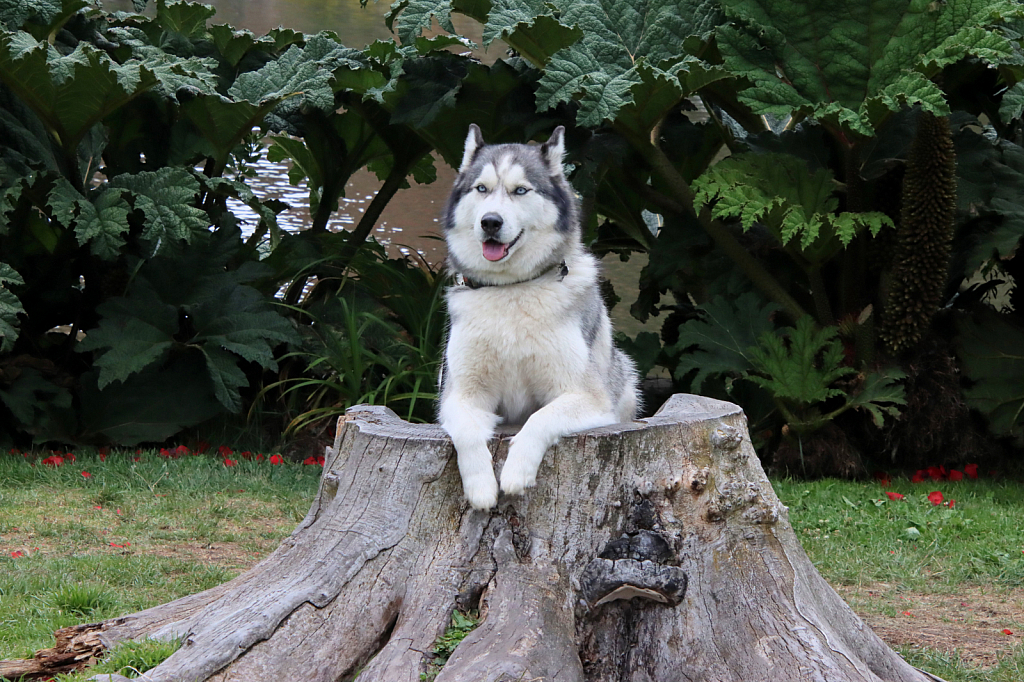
{"points": [[491, 222]]}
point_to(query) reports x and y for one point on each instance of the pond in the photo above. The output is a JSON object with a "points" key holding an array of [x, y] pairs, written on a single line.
{"points": [[411, 221]]}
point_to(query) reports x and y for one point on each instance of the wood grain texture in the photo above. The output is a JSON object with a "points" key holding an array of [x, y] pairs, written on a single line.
{"points": [[675, 507]]}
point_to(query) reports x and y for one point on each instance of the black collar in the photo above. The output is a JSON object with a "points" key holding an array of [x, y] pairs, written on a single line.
{"points": [[563, 270]]}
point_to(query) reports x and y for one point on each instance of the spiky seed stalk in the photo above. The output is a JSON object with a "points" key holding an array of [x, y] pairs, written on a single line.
{"points": [[921, 259]]}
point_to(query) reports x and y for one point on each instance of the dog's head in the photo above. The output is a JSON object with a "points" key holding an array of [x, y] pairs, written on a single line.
{"points": [[511, 213]]}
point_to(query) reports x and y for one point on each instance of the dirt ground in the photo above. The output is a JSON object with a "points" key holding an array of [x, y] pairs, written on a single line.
{"points": [[970, 623]]}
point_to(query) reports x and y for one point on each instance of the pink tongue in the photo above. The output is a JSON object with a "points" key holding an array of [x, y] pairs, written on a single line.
{"points": [[494, 250]]}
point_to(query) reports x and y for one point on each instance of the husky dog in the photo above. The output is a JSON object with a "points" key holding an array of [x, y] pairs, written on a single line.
{"points": [[530, 340]]}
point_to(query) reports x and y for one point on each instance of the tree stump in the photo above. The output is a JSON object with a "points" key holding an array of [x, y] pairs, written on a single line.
{"points": [[649, 551]]}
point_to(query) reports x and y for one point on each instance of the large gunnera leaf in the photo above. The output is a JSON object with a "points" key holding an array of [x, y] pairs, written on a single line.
{"points": [[185, 302], [300, 78], [10, 307], [992, 350], [70, 93], [723, 339], [781, 192], [625, 45], [851, 62], [39, 17], [167, 198], [604, 54], [990, 179]]}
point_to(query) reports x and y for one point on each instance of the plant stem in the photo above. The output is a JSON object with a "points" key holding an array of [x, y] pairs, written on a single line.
{"points": [[387, 191], [821, 305], [717, 230]]}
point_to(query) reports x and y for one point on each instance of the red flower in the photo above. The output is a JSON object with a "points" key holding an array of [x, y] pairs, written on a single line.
{"points": [[165, 453], [53, 461], [894, 496], [96, 506], [951, 503], [955, 475], [1007, 632], [919, 476], [276, 459], [229, 462], [70, 456], [103, 456], [17, 555], [971, 470], [224, 451], [937, 473], [882, 477], [259, 457], [114, 544], [314, 460], [245, 455], [86, 474], [935, 497], [181, 451]]}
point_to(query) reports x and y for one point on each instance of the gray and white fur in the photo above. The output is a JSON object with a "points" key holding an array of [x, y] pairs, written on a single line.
{"points": [[530, 340]]}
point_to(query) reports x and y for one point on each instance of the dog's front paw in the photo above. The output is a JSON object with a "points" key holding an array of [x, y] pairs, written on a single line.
{"points": [[481, 490], [517, 475]]}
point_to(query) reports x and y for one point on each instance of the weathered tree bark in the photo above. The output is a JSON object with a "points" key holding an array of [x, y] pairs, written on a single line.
{"points": [[650, 551]]}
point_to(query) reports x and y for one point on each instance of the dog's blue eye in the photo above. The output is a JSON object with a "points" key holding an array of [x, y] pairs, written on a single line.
{"points": [[481, 188], [521, 191]]}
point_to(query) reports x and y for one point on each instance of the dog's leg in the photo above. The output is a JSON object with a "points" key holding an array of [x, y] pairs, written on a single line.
{"points": [[568, 413], [470, 427]]}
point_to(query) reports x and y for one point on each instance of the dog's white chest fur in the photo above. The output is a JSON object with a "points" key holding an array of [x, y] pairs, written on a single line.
{"points": [[530, 342], [523, 342]]}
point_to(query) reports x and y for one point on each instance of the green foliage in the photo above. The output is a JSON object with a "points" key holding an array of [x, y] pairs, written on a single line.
{"points": [[10, 307], [214, 314], [803, 374], [989, 175], [644, 350], [461, 625], [992, 350], [756, 151], [853, 73], [778, 191], [722, 338], [374, 336], [625, 45], [803, 370], [109, 234]]}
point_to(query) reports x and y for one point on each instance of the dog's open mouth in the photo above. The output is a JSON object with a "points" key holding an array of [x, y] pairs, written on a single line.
{"points": [[495, 250]]}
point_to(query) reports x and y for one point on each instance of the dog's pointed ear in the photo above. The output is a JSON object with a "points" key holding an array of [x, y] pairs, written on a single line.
{"points": [[553, 151], [474, 140]]}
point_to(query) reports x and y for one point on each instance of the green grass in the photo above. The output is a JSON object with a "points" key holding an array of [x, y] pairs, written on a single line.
{"points": [[950, 668], [855, 535], [131, 535], [130, 659]]}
